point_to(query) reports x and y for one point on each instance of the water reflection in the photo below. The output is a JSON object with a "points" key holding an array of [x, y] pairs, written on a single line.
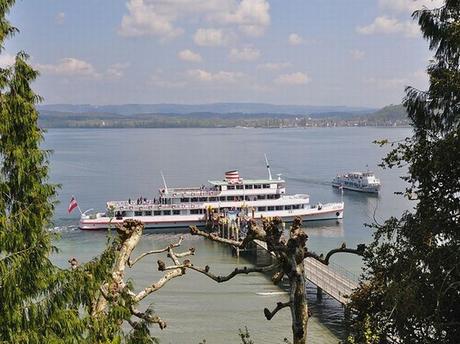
{"points": [[326, 229]]}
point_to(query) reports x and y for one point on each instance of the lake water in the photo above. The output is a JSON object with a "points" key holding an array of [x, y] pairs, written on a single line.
{"points": [[113, 164]]}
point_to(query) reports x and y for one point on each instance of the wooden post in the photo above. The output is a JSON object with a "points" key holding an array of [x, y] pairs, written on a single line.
{"points": [[319, 293]]}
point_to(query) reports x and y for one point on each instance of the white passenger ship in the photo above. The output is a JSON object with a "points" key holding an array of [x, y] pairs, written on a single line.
{"points": [[358, 181], [182, 207]]}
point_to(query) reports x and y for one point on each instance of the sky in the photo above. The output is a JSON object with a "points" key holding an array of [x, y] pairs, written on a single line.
{"points": [[305, 52]]}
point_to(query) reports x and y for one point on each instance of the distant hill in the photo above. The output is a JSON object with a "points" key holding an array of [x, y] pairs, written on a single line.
{"points": [[390, 114], [88, 116], [216, 108]]}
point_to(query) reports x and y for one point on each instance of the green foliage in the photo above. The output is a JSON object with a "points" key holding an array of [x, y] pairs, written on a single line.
{"points": [[39, 302], [411, 289]]}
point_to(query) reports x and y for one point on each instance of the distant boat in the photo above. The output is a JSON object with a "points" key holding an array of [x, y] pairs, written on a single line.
{"points": [[358, 181]]}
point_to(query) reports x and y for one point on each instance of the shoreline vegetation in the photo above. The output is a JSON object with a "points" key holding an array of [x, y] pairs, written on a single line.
{"points": [[96, 117]]}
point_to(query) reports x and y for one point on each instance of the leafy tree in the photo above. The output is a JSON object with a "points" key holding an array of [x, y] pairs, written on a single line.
{"points": [[39, 302], [411, 291]]}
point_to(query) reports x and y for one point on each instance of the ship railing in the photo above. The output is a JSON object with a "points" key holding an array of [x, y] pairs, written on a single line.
{"points": [[297, 196], [193, 193]]}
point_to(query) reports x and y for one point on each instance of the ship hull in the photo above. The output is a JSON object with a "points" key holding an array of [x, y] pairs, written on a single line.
{"points": [[373, 190], [324, 212]]}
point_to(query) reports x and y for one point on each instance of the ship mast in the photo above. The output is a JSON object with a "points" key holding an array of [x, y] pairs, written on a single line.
{"points": [[164, 182], [268, 167]]}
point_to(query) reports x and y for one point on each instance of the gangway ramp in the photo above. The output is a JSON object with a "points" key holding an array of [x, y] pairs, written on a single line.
{"points": [[336, 284]]}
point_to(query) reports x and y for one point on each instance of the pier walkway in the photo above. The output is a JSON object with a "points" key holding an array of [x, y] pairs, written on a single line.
{"points": [[336, 284]]}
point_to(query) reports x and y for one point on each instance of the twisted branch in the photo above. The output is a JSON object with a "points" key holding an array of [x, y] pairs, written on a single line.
{"points": [[149, 317], [132, 262], [280, 305]]}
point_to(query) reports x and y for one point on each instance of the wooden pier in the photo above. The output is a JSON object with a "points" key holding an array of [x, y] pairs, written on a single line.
{"points": [[337, 285], [330, 279]]}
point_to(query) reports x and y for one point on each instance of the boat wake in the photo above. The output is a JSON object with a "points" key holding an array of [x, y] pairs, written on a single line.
{"points": [[310, 181], [63, 229]]}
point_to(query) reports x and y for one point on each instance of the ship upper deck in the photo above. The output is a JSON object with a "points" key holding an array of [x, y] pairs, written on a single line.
{"points": [[246, 182]]}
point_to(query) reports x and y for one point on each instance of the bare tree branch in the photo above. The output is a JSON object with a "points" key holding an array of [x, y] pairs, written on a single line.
{"points": [[149, 317], [280, 305], [132, 262], [238, 271], [161, 282]]}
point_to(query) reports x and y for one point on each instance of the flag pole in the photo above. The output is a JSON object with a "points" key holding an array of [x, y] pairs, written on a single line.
{"points": [[81, 213]]}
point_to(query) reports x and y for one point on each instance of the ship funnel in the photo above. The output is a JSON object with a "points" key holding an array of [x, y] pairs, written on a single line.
{"points": [[232, 176]]}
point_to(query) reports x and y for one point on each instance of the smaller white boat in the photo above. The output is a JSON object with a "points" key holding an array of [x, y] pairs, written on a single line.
{"points": [[358, 181]]}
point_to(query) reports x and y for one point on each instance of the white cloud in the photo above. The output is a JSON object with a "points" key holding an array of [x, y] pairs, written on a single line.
{"points": [[70, 66], [251, 16], [387, 25], [245, 54], [418, 79], [273, 65], [387, 82], [297, 78], [210, 37], [409, 5], [161, 17], [189, 56], [357, 54], [117, 70], [60, 17], [295, 39], [6, 60], [147, 18], [160, 80], [220, 76]]}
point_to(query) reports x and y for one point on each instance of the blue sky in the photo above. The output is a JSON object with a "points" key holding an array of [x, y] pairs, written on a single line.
{"points": [[313, 52]]}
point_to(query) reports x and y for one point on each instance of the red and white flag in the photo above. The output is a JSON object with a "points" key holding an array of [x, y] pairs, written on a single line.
{"points": [[72, 205]]}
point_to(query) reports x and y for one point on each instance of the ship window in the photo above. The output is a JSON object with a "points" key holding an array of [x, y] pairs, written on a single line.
{"points": [[138, 213], [194, 199], [247, 198], [296, 206], [185, 200], [248, 187], [222, 198], [279, 207], [167, 212], [123, 213], [257, 186], [270, 196], [260, 196], [261, 209], [231, 187], [176, 212], [271, 208], [156, 213], [148, 213], [277, 196], [212, 199], [266, 186], [203, 199], [239, 187], [288, 207], [195, 211]]}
